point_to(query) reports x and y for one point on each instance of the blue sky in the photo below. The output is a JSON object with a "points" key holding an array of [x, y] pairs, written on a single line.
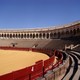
{"points": [[18, 14]]}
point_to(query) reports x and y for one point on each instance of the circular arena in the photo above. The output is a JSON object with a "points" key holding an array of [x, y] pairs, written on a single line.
{"points": [[56, 53], [15, 60]]}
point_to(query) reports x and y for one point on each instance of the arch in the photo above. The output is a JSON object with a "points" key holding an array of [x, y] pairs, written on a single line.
{"points": [[18, 35], [40, 35], [33, 35], [51, 35], [47, 35], [13, 35], [27, 35], [30, 35], [24, 35], [10, 35], [7, 35], [62, 33], [78, 30], [74, 31], [36, 35], [71, 31], [55, 34], [43, 35], [67, 32], [59, 34]]}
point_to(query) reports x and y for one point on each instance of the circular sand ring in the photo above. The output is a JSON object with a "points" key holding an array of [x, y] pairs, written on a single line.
{"points": [[12, 60]]}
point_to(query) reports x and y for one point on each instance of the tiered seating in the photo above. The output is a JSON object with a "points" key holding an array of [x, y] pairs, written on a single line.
{"points": [[41, 43], [73, 70], [76, 53], [69, 70]]}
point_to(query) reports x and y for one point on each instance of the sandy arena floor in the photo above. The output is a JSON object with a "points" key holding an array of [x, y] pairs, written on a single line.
{"points": [[11, 60]]}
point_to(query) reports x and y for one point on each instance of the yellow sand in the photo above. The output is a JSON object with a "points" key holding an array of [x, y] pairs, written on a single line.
{"points": [[11, 60]]}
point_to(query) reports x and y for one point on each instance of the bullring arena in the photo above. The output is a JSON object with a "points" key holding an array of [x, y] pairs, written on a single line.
{"points": [[14, 60], [41, 54]]}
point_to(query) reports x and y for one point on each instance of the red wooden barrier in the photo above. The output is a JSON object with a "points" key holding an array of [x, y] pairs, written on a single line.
{"points": [[14, 48], [23, 74], [20, 74], [8, 76], [38, 70], [46, 65], [40, 61]]}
